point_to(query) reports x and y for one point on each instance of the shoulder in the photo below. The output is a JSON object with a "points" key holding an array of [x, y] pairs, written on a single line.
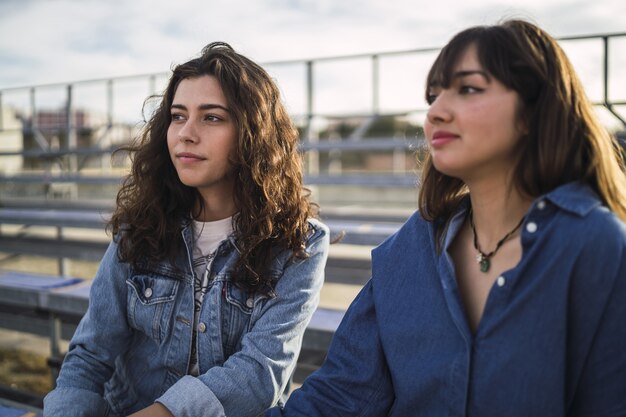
{"points": [[603, 233], [318, 233], [587, 233], [405, 254], [415, 232], [583, 217]]}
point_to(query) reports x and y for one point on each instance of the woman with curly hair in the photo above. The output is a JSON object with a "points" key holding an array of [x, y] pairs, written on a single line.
{"points": [[505, 294], [200, 302]]}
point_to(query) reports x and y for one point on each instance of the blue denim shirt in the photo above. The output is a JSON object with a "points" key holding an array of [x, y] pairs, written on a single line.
{"points": [[551, 341], [133, 345]]}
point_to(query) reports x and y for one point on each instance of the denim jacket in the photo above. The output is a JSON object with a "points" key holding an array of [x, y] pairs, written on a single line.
{"points": [[133, 345], [551, 341]]}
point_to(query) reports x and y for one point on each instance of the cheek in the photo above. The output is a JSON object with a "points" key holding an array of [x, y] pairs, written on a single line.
{"points": [[428, 128], [171, 138]]}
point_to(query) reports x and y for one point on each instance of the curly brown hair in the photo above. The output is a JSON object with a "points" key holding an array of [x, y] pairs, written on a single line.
{"points": [[273, 204], [565, 140]]}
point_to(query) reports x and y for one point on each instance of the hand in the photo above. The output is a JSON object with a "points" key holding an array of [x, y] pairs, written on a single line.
{"points": [[155, 410]]}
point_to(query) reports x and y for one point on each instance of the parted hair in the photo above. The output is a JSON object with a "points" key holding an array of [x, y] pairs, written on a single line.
{"points": [[273, 205], [564, 142]]}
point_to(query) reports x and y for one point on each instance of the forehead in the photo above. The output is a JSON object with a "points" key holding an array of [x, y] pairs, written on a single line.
{"points": [[205, 88], [468, 60], [454, 61]]}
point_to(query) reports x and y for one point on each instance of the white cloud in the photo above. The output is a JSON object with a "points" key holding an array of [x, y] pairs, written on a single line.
{"points": [[62, 40], [66, 40]]}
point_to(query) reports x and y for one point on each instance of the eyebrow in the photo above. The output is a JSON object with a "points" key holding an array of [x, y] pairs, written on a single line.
{"points": [[201, 107], [461, 74]]}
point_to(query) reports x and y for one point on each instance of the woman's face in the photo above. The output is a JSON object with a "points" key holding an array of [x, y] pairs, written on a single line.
{"points": [[202, 136], [472, 126]]}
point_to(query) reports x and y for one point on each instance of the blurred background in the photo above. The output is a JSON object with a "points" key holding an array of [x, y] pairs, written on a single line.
{"points": [[74, 77]]}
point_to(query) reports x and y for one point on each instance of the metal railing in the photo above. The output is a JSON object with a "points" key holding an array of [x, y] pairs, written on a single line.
{"points": [[25, 104]]}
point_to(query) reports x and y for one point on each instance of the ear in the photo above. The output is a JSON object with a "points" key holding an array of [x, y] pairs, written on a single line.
{"points": [[522, 126]]}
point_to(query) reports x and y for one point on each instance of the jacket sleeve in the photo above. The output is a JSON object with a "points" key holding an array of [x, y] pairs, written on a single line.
{"points": [[253, 379], [354, 380], [101, 336]]}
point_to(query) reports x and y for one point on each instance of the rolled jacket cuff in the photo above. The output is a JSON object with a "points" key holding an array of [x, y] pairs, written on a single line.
{"points": [[190, 397]]}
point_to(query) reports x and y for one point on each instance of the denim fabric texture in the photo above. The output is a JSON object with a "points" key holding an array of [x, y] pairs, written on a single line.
{"points": [[551, 341], [133, 345]]}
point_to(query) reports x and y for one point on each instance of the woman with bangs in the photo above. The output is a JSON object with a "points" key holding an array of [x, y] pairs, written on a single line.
{"points": [[201, 301], [505, 294]]}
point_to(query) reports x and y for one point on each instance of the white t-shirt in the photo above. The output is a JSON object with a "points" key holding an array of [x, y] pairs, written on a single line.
{"points": [[207, 238]]}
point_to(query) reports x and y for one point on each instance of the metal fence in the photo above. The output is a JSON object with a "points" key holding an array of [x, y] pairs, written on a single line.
{"points": [[357, 114]]}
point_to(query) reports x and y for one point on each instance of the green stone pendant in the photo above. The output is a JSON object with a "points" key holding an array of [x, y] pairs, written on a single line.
{"points": [[484, 264]]}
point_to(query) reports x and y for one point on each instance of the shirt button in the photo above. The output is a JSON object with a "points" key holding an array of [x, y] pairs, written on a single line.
{"points": [[201, 327], [541, 205], [147, 292], [531, 227], [250, 302], [501, 281]]}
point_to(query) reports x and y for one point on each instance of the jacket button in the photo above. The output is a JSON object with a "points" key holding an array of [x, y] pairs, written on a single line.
{"points": [[250, 302], [147, 292], [201, 327]]}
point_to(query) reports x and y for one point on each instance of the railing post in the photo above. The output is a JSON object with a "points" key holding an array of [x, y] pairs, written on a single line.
{"points": [[375, 84], [312, 155], [105, 163], [70, 126], [33, 110], [605, 80], [109, 103], [63, 263]]}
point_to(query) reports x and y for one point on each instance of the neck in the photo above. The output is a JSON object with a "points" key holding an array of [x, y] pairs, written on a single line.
{"points": [[497, 208], [214, 208]]}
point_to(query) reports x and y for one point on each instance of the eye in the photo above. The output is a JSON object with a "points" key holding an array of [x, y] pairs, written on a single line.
{"points": [[212, 118], [431, 96], [468, 89], [177, 117]]}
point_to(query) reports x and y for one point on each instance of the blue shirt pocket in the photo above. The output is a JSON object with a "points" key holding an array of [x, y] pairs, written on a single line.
{"points": [[150, 304]]}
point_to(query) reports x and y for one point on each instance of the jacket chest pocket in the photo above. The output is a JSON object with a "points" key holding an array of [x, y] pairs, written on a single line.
{"points": [[237, 315], [150, 304]]}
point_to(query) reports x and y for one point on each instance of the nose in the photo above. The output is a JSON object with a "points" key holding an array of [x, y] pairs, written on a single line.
{"points": [[187, 132], [439, 110]]}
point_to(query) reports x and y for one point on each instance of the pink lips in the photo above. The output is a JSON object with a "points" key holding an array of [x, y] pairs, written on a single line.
{"points": [[442, 137], [189, 157]]}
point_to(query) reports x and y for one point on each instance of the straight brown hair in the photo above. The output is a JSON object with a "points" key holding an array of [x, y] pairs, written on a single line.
{"points": [[565, 141]]}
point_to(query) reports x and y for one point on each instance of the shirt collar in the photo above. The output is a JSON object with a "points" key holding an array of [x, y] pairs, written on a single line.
{"points": [[574, 197]]}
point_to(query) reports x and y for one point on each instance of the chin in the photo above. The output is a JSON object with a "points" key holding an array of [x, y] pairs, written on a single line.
{"points": [[447, 169], [188, 182]]}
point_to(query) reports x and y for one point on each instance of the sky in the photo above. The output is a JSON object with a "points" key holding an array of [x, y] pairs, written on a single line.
{"points": [[54, 41]]}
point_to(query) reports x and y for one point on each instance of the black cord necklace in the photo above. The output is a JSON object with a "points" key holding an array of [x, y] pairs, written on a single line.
{"points": [[484, 259]]}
